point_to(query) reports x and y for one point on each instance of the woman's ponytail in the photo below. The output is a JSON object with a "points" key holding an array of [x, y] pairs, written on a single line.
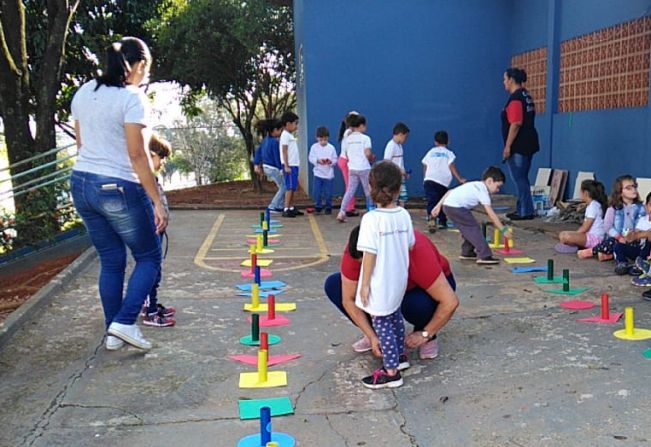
{"points": [[120, 57]]}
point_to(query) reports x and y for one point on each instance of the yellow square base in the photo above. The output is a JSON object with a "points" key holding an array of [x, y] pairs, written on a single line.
{"points": [[274, 379], [280, 307], [519, 260], [260, 262]]}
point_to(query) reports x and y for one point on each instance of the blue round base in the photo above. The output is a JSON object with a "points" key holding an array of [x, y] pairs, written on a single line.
{"points": [[283, 440]]}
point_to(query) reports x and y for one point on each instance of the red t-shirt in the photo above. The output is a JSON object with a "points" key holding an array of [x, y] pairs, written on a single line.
{"points": [[425, 264], [514, 112]]}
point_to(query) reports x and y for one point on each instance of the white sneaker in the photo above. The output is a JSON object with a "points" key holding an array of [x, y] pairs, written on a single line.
{"points": [[113, 343], [129, 333], [362, 345]]}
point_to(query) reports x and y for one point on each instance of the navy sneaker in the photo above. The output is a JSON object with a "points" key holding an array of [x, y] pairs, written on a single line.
{"points": [[642, 264], [622, 268], [404, 362], [381, 379]]}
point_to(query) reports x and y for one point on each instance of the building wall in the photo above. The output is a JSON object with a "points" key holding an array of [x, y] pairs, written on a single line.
{"points": [[438, 65], [432, 65]]}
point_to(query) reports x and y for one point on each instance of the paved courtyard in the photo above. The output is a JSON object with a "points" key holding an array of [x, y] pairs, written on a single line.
{"points": [[515, 369]]}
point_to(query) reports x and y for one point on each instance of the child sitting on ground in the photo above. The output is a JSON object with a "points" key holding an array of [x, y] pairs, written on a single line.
{"points": [[635, 244], [458, 202], [591, 232], [622, 215], [154, 313], [385, 237], [438, 169], [323, 156]]}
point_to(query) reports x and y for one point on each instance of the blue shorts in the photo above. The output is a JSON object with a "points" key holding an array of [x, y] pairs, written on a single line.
{"points": [[291, 180]]}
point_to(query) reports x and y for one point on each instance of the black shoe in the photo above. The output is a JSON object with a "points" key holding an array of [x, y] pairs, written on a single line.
{"points": [[634, 271], [317, 210], [297, 212], [646, 296], [443, 226], [622, 268], [381, 379], [404, 362], [288, 213], [352, 213], [516, 216], [488, 261], [328, 211], [471, 256]]}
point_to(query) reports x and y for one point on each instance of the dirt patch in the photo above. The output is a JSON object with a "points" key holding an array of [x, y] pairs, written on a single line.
{"points": [[18, 287], [239, 194]]}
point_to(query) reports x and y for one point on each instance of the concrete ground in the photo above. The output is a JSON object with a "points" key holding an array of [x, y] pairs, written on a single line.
{"points": [[514, 370]]}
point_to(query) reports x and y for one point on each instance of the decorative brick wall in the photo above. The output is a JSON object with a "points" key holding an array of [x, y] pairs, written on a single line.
{"points": [[606, 69], [534, 62]]}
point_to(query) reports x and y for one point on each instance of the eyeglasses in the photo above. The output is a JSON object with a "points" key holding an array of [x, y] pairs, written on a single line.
{"points": [[630, 187]]}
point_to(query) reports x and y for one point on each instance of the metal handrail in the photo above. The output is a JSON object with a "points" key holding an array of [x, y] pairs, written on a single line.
{"points": [[20, 193], [36, 180], [38, 168], [35, 157]]}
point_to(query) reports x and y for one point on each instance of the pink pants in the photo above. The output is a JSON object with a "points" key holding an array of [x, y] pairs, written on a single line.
{"points": [[343, 165]]}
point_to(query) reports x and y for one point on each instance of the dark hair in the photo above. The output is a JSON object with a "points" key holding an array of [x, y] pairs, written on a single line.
{"points": [[356, 120], [494, 173], [288, 117], [441, 137], [616, 195], [385, 179], [648, 198], [322, 132], [159, 146], [352, 244], [120, 57], [517, 74], [265, 127], [400, 128], [344, 125], [596, 191]]}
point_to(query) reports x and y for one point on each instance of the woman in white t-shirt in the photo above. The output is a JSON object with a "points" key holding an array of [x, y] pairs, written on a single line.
{"points": [[357, 148], [114, 189], [592, 231]]}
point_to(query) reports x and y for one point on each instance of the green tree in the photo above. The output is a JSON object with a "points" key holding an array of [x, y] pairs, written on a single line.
{"points": [[40, 40], [239, 53]]}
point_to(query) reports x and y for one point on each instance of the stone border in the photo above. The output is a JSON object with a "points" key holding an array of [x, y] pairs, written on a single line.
{"points": [[44, 296]]}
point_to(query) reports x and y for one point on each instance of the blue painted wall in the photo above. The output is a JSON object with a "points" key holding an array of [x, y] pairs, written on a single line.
{"points": [[438, 65], [434, 65]]}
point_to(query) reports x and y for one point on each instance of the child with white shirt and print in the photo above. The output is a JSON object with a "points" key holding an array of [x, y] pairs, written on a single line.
{"points": [[394, 153], [438, 169], [592, 231], [458, 203], [385, 237], [290, 159], [324, 157], [357, 148]]}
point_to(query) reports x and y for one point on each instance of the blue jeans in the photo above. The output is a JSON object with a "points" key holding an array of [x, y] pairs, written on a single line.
{"points": [[322, 186], [417, 306], [519, 167], [434, 192], [119, 214], [276, 176]]}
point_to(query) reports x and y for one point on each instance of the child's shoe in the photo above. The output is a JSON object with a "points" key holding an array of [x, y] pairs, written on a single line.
{"points": [[646, 296], [622, 268], [166, 311], [472, 256], [488, 261], [642, 264], [328, 211], [429, 350], [585, 253], [362, 345], [381, 379], [642, 281], [317, 210], [635, 271], [431, 225], [604, 256], [564, 248], [443, 225], [158, 320], [404, 362], [288, 213]]}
